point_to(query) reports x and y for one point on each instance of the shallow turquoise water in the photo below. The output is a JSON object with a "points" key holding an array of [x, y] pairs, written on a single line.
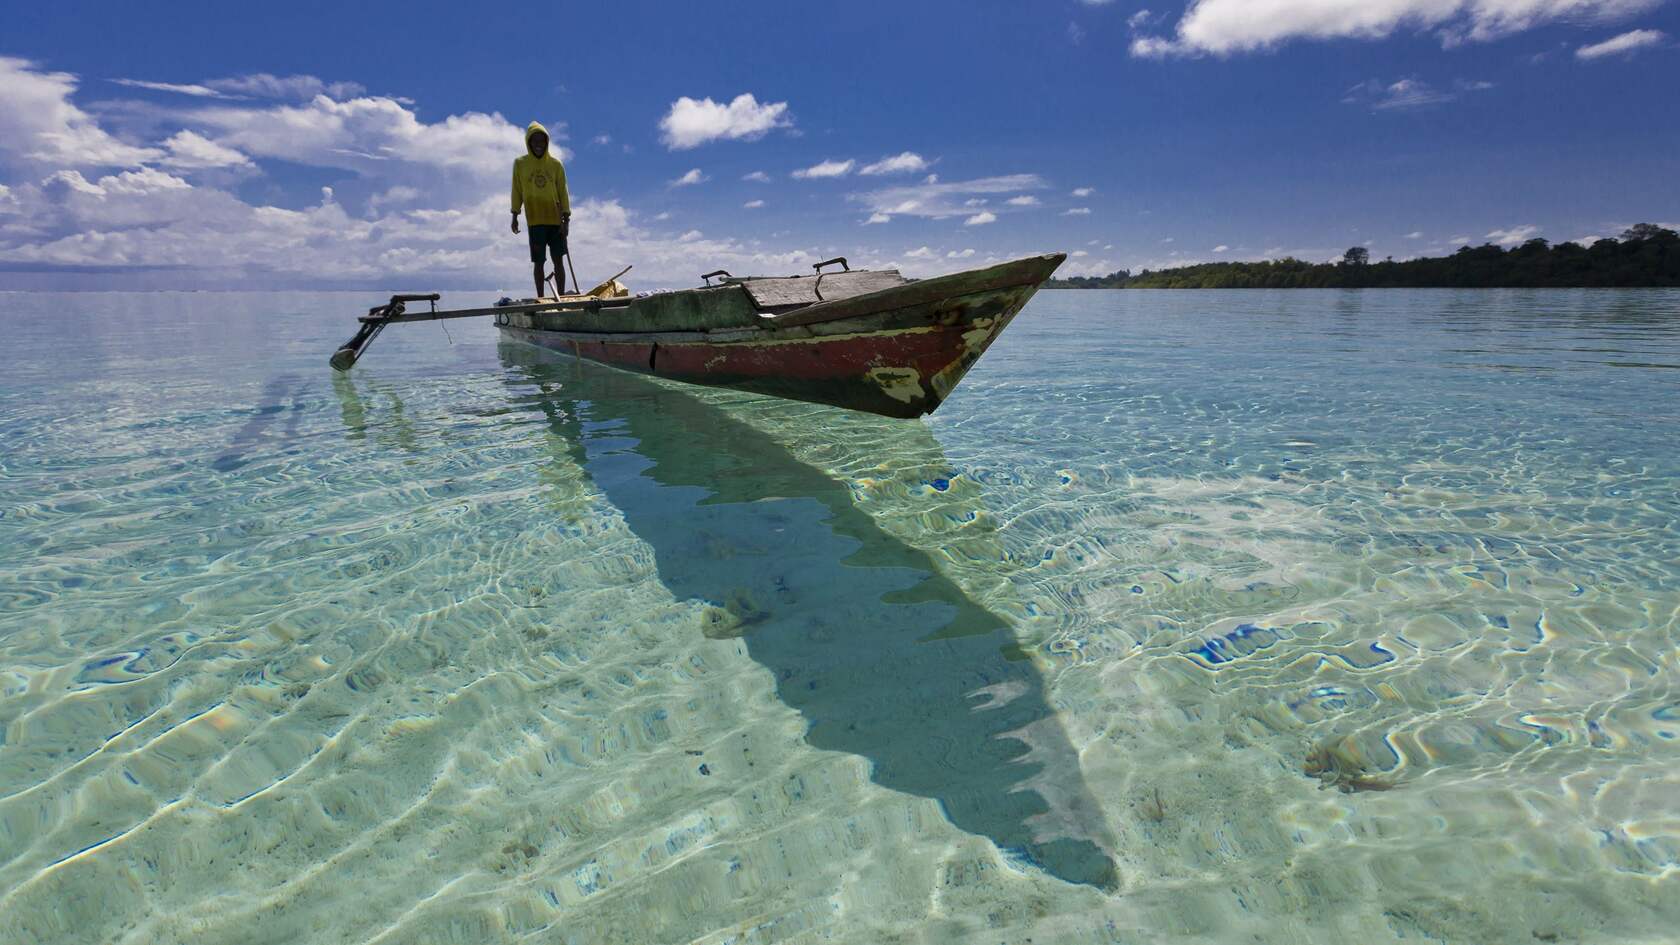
{"points": [[1211, 617]]}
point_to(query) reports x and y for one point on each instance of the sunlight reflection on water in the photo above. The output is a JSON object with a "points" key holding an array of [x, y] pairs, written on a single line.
{"points": [[1314, 616]]}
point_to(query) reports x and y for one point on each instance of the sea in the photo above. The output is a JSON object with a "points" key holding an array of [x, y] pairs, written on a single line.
{"points": [[1192, 617]]}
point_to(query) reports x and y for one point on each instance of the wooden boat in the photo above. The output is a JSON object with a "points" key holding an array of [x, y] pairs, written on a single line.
{"points": [[864, 340]]}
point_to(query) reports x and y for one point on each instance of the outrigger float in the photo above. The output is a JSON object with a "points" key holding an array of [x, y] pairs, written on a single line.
{"points": [[864, 340]]}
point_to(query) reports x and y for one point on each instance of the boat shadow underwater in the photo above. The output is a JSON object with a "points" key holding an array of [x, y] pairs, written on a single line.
{"points": [[883, 654]]}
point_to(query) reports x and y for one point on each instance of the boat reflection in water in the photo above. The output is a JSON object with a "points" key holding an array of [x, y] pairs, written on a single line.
{"points": [[884, 656]]}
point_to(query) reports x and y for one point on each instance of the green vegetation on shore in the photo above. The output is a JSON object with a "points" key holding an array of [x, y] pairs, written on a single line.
{"points": [[1646, 255]]}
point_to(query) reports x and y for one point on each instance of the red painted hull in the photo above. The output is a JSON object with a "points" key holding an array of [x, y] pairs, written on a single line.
{"points": [[898, 353]]}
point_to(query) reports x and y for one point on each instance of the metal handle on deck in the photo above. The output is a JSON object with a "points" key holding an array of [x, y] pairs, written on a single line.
{"points": [[721, 272], [829, 262]]}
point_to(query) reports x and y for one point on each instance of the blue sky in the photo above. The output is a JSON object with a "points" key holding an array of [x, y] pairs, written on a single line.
{"points": [[368, 146]]}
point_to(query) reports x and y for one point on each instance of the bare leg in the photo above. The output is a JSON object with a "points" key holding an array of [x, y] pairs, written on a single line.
{"points": [[537, 274]]}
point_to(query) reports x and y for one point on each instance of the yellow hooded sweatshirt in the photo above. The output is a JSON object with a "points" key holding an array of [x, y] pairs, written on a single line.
{"points": [[539, 183]]}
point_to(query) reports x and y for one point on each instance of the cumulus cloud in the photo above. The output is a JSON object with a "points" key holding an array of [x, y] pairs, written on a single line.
{"points": [[942, 199], [1513, 235], [1224, 27], [39, 125], [1625, 43], [877, 217], [79, 202], [826, 169], [752, 204], [693, 122], [602, 139], [920, 252], [1221, 248], [690, 179], [191, 150], [757, 177], [357, 133], [1083, 191], [908, 162], [1077, 212], [981, 218], [1025, 200], [962, 254]]}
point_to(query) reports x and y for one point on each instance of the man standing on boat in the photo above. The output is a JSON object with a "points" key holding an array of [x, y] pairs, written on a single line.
{"points": [[539, 185]]}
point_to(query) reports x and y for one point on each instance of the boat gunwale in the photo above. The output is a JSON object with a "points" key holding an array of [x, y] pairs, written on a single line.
{"points": [[796, 325]]}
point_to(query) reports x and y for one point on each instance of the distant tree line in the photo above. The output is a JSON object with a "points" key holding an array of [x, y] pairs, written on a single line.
{"points": [[1646, 255]]}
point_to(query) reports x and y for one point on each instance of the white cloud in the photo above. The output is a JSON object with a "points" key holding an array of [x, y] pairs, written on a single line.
{"points": [[394, 196], [963, 254], [154, 214], [1078, 254], [1077, 212], [197, 91], [1415, 235], [691, 178], [981, 218], [602, 139], [931, 179], [362, 133], [1460, 241], [1084, 191], [757, 177], [192, 151], [1625, 43], [877, 218], [299, 87], [1025, 200], [1404, 93], [662, 216], [1223, 27], [752, 204], [1513, 235], [40, 127], [1221, 248], [944, 199], [826, 169], [693, 122], [908, 162], [920, 252]]}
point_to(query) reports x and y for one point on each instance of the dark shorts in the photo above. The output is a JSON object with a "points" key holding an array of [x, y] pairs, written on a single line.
{"points": [[546, 239]]}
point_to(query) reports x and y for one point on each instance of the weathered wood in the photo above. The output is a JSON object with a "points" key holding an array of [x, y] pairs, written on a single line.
{"points": [[897, 352], [773, 294], [874, 341], [572, 304], [1030, 271]]}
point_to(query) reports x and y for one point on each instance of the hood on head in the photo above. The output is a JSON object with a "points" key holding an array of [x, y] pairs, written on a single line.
{"points": [[533, 128]]}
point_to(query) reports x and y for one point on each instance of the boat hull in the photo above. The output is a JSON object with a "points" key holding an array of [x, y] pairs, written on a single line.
{"points": [[898, 352]]}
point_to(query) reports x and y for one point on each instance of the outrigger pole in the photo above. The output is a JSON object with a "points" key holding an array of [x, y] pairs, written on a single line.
{"points": [[396, 311]]}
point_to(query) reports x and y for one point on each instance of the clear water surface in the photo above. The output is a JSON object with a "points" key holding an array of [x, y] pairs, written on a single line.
{"points": [[1201, 617]]}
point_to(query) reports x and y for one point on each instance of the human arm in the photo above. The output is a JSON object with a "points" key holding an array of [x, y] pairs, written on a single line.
{"points": [[518, 197]]}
